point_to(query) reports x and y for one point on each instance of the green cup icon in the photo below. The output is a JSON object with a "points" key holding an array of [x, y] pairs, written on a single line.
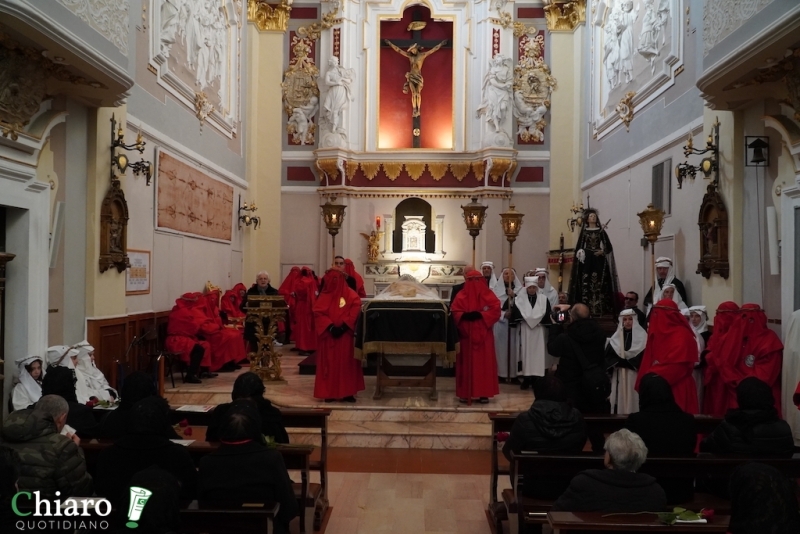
{"points": [[139, 497]]}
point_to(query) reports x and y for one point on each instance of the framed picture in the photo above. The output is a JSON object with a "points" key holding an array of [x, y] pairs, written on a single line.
{"points": [[137, 277]]}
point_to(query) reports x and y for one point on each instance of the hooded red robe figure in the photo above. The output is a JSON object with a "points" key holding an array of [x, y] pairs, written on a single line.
{"points": [[350, 269], [286, 290], [226, 343], [183, 328], [475, 310], [339, 374], [715, 400], [751, 349], [305, 291], [671, 353], [232, 301]]}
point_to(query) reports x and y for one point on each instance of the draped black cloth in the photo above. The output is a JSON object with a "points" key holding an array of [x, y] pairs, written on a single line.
{"points": [[594, 280]]}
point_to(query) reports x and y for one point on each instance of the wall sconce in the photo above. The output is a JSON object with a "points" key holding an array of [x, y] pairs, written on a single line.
{"points": [[575, 221], [708, 165], [246, 214], [474, 215], [757, 150], [121, 161]]}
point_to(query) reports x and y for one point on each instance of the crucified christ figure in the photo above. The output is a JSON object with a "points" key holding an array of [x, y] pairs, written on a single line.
{"points": [[414, 75]]}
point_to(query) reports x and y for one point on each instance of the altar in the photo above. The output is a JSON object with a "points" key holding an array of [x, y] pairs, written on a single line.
{"points": [[439, 276]]}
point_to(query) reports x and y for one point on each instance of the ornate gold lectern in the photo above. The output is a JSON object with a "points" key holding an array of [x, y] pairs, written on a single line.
{"points": [[265, 312]]}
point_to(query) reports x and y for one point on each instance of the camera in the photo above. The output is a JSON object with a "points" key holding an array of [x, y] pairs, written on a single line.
{"points": [[560, 316]]}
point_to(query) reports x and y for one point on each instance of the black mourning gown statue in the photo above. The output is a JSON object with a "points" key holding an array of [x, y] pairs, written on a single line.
{"points": [[594, 275]]}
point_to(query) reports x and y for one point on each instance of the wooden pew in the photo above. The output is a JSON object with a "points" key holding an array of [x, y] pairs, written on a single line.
{"points": [[296, 457], [534, 511], [562, 522], [310, 418], [250, 520], [607, 424]]}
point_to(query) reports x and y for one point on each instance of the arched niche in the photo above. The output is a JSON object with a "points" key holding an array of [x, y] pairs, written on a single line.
{"points": [[414, 207], [114, 230]]}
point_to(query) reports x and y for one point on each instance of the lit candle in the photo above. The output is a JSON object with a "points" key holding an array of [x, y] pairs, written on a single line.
{"points": [[378, 222]]}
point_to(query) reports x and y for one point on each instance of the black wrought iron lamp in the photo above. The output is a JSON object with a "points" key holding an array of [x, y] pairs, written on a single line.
{"points": [[121, 161], [708, 165], [474, 215]]}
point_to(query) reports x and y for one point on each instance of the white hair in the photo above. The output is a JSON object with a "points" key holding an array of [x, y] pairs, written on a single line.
{"points": [[626, 450], [262, 272], [51, 406]]}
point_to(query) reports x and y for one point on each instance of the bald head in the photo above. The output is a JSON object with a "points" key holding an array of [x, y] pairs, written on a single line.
{"points": [[580, 311]]}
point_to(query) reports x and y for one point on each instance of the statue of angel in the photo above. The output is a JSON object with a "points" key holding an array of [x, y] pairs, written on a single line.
{"points": [[373, 244], [497, 86], [302, 119]]}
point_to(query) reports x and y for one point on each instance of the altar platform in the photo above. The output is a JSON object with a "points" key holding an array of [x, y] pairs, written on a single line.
{"points": [[403, 419]]}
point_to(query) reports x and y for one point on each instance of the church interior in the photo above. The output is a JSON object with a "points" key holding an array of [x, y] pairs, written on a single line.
{"points": [[151, 149]]}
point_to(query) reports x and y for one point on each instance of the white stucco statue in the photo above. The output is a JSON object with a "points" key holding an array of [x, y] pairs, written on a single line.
{"points": [[497, 88], [527, 117], [625, 22], [611, 51], [648, 38], [302, 119], [337, 98]]}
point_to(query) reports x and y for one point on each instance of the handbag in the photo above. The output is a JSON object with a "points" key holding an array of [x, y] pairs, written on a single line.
{"points": [[594, 381]]}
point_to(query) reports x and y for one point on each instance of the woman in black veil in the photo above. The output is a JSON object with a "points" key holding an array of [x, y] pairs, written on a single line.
{"points": [[594, 274]]}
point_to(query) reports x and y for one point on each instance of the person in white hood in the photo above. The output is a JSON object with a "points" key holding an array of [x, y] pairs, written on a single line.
{"points": [[29, 389], [94, 383]]}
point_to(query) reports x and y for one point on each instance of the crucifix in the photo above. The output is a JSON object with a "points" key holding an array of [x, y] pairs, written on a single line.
{"points": [[561, 254], [416, 58]]}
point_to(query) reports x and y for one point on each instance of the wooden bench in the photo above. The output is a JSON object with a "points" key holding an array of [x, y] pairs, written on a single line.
{"points": [[308, 418], [606, 424], [296, 457], [534, 511], [562, 522], [258, 519]]}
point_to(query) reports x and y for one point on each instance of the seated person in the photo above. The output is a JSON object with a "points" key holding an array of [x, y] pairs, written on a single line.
{"points": [[29, 388], [550, 426], [50, 461], [261, 475], [754, 428], [61, 381], [763, 500], [137, 386], [250, 386], [665, 429], [618, 488], [9, 477], [62, 356], [162, 513], [141, 446], [91, 380]]}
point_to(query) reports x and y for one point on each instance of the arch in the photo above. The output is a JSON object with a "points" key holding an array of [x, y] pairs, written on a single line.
{"points": [[413, 206]]}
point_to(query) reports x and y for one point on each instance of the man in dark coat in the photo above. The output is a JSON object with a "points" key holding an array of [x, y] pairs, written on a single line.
{"points": [[143, 445], [618, 488], [250, 386], [260, 474], [263, 288], [550, 426]]}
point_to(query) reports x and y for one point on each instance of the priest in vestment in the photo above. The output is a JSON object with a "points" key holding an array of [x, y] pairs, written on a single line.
{"points": [[339, 374], [671, 353], [533, 309], [624, 353], [715, 395], [305, 295], [506, 290], [475, 311], [751, 349]]}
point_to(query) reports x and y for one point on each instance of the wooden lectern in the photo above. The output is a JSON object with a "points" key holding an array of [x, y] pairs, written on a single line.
{"points": [[265, 312]]}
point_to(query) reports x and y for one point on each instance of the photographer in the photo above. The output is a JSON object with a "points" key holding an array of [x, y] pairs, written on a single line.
{"points": [[579, 343]]}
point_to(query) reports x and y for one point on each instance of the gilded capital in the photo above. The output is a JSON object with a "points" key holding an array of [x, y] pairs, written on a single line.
{"points": [[564, 16], [269, 18]]}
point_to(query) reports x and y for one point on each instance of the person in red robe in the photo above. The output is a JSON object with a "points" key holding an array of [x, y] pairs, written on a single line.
{"points": [[305, 295], [339, 374], [751, 349], [475, 311], [715, 401], [286, 291], [183, 331], [231, 303], [350, 269], [227, 345], [671, 353]]}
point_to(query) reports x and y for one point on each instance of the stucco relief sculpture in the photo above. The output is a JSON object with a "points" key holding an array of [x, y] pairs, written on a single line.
{"points": [[337, 98], [533, 86], [497, 94], [108, 17], [655, 20], [300, 93]]}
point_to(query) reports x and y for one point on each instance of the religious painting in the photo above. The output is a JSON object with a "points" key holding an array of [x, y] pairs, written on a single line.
{"points": [[195, 51], [416, 81], [190, 201], [637, 52]]}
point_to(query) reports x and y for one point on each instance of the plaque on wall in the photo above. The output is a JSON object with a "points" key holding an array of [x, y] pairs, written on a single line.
{"points": [[137, 277]]}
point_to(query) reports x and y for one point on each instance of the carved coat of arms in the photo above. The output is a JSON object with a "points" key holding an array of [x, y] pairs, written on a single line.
{"points": [[533, 85], [300, 93]]}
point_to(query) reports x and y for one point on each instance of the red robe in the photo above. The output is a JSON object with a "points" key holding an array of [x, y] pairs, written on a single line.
{"points": [[227, 344], [751, 349], [476, 366], [305, 291], [671, 352], [716, 395], [796, 398], [339, 374], [350, 269], [232, 301], [286, 290], [183, 328]]}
